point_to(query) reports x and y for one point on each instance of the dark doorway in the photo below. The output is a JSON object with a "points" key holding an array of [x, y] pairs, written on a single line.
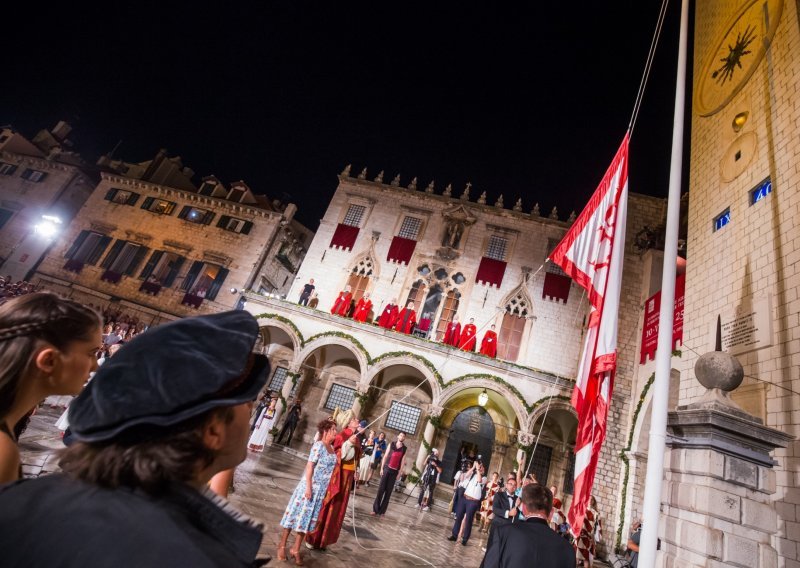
{"points": [[473, 433], [431, 305]]}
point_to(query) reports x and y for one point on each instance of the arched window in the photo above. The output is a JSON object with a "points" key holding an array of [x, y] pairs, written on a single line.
{"points": [[416, 294], [517, 310], [448, 311], [359, 277]]}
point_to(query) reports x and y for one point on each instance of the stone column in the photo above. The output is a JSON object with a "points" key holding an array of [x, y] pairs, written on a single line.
{"points": [[427, 437], [286, 390], [361, 392], [716, 508]]}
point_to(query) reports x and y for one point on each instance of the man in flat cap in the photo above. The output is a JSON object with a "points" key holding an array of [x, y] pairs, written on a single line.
{"points": [[158, 420]]}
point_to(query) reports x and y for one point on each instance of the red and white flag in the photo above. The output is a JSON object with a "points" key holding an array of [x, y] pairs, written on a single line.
{"points": [[591, 253]]}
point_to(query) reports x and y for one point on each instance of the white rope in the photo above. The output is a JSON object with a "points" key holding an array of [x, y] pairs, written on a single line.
{"points": [[648, 65]]}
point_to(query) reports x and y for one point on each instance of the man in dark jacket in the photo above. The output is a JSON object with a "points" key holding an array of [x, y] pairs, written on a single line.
{"points": [[530, 542], [505, 507], [291, 422], [159, 419]]}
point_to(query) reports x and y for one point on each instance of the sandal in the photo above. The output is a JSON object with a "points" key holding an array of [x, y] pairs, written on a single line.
{"points": [[298, 560], [282, 553]]}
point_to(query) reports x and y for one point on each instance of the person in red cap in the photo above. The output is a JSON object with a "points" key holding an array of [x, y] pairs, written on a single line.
{"points": [[363, 308], [406, 320], [389, 315], [467, 340], [156, 423], [489, 343], [342, 303]]}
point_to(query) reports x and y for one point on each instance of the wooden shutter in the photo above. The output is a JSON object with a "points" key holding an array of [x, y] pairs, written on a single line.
{"points": [[358, 285], [148, 203], [113, 253], [77, 244], [246, 229], [191, 276], [510, 337], [132, 199], [110, 194], [98, 251], [173, 271], [216, 285], [151, 264], [223, 221], [208, 217], [448, 311], [184, 212], [136, 260]]}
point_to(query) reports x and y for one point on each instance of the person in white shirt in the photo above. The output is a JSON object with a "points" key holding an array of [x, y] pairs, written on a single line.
{"points": [[472, 482]]}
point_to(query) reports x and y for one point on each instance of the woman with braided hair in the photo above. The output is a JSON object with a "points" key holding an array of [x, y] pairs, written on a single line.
{"points": [[48, 346]]}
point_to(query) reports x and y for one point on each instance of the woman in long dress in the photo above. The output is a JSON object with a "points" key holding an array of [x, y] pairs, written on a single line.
{"points": [[302, 512], [264, 424], [367, 448]]}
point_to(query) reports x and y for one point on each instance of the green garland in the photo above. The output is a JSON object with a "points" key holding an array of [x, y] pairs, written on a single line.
{"points": [[426, 445], [362, 397], [285, 320], [623, 455], [546, 398], [436, 421], [419, 358], [342, 335]]}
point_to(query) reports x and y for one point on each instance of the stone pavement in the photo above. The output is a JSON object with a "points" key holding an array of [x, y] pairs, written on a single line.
{"points": [[262, 486]]}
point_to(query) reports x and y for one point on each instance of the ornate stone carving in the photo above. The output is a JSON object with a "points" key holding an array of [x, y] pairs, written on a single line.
{"points": [[448, 191], [465, 195], [572, 217], [363, 174], [518, 205], [499, 202], [396, 181], [379, 177], [413, 185], [482, 198], [429, 189], [525, 438], [346, 170], [554, 214], [535, 212]]}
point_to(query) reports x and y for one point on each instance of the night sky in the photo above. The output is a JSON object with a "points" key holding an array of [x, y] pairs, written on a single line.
{"points": [[527, 104]]}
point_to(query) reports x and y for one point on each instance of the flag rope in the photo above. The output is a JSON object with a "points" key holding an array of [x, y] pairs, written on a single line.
{"points": [[648, 65]]}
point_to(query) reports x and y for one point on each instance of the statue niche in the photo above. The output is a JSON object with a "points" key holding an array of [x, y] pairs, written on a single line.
{"points": [[453, 233]]}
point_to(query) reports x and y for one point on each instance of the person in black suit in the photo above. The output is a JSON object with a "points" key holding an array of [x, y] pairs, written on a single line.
{"points": [[530, 542], [505, 507]]}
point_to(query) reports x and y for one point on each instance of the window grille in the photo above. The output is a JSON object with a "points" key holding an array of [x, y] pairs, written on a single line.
{"points": [[354, 215], [341, 397], [410, 228], [552, 267], [403, 417], [278, 379], [497, 248], [569, 475], [540, 463]]}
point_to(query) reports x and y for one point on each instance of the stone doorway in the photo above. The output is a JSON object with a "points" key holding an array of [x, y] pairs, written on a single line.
{"points": [[472, 431]]}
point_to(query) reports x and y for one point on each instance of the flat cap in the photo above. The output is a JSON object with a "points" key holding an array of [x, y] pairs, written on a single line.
{"points": [[171, 373]]}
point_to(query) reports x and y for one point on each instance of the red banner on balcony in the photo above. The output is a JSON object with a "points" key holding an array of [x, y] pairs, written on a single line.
{"points": [[401, 250], [651, 316], [556, 286], [344, 237], [491, 272]]}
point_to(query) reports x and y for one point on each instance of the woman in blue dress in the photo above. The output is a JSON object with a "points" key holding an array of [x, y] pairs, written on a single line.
{"points": [[302, 511]]}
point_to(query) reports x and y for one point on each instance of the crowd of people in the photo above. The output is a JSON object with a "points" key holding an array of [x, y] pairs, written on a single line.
{"points": [[149, 435], [10, 289], [403, 319]]}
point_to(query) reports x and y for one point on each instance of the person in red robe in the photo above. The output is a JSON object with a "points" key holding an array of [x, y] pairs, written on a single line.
{"points": [[489, 343], [344, 476], [452, 333], [363, 307], [406, 319], [467, 340], [342, 303], [389, 315]]}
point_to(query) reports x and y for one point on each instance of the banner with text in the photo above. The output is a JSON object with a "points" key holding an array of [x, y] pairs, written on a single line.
{"points": [[650, 327]]}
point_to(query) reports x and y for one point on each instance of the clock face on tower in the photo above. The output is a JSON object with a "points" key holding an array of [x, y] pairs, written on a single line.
{"points": [[737, 52]]}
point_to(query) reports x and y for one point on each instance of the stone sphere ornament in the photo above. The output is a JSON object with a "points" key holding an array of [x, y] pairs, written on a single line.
{"points": [[719, 370]]}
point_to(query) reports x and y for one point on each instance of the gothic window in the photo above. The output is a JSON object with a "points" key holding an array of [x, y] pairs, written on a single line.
{"points": [[359, 277], [518, 305], [448, 311], [416, 294]]}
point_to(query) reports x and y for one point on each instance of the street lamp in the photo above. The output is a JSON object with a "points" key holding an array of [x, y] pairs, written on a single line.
{"points": [[48, 227], [483, 398]]}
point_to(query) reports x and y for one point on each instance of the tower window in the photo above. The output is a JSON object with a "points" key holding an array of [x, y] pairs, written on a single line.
{"points": [[722, 219], [760, 191]]}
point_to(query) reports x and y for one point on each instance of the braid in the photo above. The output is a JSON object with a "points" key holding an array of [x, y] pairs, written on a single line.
{"points": [[22, 329]]}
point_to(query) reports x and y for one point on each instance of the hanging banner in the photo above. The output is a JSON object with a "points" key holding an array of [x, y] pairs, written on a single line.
{"points": [[650, 327]]}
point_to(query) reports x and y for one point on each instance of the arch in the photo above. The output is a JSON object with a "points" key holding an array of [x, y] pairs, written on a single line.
{"points": [[490, 383], [324, 340], [288, 330], [517, 314], [557, 402], [424, 370]]}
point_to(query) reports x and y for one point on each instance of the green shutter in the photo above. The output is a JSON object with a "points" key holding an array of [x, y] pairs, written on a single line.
{"points": [[110, 194], [136, 260], [223, 221], [184, 212], [214, 289], [132, 199], [151, 264], [173, 271], [208, 218], [191, 276], [98, 251], [148, 202], [112, 254], [77, 244]]}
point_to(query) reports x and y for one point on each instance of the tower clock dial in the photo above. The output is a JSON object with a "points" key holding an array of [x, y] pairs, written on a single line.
{"points": [[737, 52]]}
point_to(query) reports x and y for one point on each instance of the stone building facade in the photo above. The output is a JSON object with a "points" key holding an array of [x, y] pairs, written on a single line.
{"points": [[150, 244], [41, 182], [451, 254]]}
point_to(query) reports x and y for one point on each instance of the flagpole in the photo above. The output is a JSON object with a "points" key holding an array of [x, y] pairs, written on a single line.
{"points": [[658, 423]]}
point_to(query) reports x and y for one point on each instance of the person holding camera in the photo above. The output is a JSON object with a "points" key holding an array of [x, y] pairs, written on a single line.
{"points": [[433, 467], [633, 544], [469, 502]]}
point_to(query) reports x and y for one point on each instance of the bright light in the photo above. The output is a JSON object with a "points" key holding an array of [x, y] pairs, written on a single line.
{"points": [[483, 398], [48, 226]]}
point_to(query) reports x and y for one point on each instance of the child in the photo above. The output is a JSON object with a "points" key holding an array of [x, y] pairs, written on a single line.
{"points": [[48, 346]]}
